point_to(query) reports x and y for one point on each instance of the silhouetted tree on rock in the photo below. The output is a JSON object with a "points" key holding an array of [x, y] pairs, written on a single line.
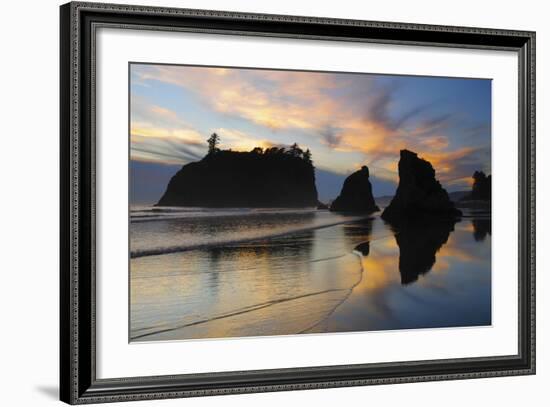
{"points": [[257, 150], [213, 143], [307, 156], [295, 151]]}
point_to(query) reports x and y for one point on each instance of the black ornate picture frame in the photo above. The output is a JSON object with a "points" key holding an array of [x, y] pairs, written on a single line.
{"points": [[79, 383]]}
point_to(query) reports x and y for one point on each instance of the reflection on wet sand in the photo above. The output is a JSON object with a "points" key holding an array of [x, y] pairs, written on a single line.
{"points": [[418, 245], [358, 276], [482, 228], [397, 292], [273, 287], [358, 234]]}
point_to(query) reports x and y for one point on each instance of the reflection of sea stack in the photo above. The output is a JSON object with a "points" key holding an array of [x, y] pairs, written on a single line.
{"points": [[257, 179], [418, 244], [359, 231], [356, 194], [482, 228], [419, 194]]}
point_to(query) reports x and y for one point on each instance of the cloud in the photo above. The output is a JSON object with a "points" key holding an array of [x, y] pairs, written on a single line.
{"points": [[379, 104], [240, 140], [158, 134], [340, 113], [381, 134], [274, 99], [411, 114], [142, 111], [168, 150], [331, 136]]}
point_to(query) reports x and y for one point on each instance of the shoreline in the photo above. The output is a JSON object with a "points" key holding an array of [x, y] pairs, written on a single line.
{"points": [[371, 298], [181, 248]]}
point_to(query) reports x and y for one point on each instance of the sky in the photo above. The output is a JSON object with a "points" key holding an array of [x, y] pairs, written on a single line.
{"points": [[347, 120]]}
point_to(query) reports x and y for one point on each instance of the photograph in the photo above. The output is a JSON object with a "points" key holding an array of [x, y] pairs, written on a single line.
{"points": [[256, 201], [267, 202]]}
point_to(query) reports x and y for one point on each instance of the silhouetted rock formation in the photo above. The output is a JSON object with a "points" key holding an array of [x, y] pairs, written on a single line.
{"points": [[276, 177], [481, 190], [356, 194], [363, 248], [358, 234], [418, 244], [482, 228], [419, 194]]}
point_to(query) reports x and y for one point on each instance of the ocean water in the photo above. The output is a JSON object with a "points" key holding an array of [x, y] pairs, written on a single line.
{"points": [[205, 273]]}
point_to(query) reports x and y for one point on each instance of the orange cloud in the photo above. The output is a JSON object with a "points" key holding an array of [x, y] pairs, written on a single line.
{"points": [[239, 140], [275, 99], [158, 134], [318, 104]]}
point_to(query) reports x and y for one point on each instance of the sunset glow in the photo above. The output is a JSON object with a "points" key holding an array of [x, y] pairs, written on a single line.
{"points": [[346, 120]]}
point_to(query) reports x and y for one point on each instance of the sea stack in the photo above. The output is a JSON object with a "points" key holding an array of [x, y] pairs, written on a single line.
{"points": [[419, 194], [274, 178], [356, 194], [481, 189]]}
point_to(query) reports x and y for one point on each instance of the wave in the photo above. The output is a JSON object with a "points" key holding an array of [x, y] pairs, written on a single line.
{"points": [[157, 251]]}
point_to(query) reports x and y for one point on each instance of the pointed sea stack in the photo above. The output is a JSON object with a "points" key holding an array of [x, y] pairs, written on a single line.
{"points": [[356, 194], [419, 194]]}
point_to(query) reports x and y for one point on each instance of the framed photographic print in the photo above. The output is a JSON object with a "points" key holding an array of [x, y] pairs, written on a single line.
{"points": [[256, 203]]}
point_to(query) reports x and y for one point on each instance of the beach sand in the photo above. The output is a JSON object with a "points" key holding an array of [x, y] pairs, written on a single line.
{"points": [[255, 273]]}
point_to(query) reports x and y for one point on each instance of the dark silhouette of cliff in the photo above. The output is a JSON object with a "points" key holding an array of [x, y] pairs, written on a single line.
{"points": [[481, 189], [276, 177], [418, 244], [419, 194], [356, 194]]}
